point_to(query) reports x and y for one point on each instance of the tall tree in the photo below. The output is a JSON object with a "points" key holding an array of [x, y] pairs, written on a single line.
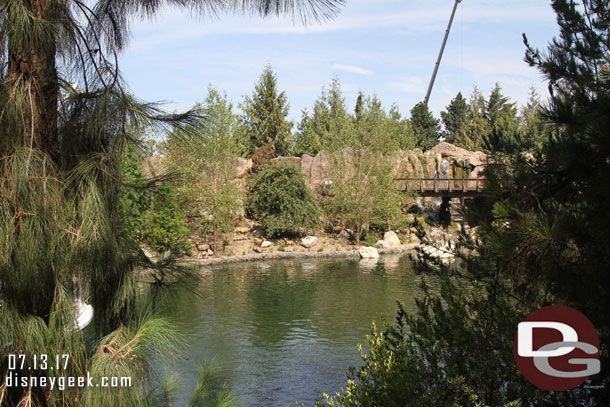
{"points": [[454, 118], [265, 115], [425, 126], [328, 125], [204, 159]]}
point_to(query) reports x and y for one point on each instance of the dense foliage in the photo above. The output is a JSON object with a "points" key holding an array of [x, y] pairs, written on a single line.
{"points": [[164, 227], [134, 196], [279, 198], [203, 160], [265, 116]]}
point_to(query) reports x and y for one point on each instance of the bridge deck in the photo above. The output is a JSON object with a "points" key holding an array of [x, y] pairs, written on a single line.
{"points": [[450, 187]]}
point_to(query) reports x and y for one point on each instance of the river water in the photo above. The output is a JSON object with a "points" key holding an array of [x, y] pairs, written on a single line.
{"points": [[280, 330]]}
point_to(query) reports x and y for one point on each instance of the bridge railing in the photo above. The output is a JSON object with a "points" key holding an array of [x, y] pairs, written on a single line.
{"points": [[443, 184]]}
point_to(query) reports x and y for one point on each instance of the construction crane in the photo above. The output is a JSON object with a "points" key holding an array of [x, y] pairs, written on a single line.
{"points": [[440, 54]]}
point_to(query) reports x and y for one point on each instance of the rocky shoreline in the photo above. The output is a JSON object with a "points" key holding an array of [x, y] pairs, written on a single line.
{"points": [[290, 255]]}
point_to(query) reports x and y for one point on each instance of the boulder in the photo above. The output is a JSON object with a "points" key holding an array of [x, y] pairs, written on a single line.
{"points": [[203, 247], [382, 244], [309, 241], [368, 253], [241, 167], [266, 244], [344, 234], [391, 238]]}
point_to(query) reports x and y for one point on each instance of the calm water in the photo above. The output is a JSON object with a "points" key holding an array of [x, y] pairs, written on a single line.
{"points": [[280, 330]]}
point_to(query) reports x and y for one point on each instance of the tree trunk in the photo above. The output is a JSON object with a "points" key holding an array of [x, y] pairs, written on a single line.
{"points": [[36, 73]]}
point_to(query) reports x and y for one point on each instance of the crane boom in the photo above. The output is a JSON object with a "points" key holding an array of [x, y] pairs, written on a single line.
{"points": [[440, 54]]}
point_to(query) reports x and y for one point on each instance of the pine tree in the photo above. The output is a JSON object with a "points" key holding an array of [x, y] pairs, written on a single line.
{"points": [[265, 115], [425, 127], [134, 196], [454, 118], [164, 228]]}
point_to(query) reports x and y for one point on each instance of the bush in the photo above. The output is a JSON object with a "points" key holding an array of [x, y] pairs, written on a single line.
{"points": [[279, 198]]}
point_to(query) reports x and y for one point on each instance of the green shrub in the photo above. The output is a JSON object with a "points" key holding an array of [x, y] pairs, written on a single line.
{"points": [[164, 227], [279, 198]]}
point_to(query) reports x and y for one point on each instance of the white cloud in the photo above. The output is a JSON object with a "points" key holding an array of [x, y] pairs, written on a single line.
{"points": [[413, 84], [352, 68]]}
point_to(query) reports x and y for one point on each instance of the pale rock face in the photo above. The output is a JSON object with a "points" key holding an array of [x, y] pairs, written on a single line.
{"points": [[241, 167], [382, 244], [391, 239], [309, 241], [368, 252], [266, 244]]}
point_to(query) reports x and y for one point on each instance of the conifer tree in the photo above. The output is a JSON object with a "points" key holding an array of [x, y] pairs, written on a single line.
{"points": [[425, 127], [265, 115], [454, 118]]}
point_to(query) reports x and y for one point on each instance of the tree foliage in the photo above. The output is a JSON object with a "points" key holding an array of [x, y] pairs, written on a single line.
{"points": [[265, 115], [203, 159], [425, 127], [279, 198]]}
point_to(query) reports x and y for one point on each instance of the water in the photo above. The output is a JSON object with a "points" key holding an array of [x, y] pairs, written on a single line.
{"points": [[280, 330]]}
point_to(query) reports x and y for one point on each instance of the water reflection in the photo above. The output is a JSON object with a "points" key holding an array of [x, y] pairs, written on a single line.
{"points": [[284, 328]]}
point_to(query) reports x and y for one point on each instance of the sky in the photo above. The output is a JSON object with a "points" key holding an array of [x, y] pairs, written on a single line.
{"points": [[382, 47]]}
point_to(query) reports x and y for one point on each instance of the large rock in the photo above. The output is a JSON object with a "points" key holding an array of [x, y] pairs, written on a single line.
{"points": [[382, 244], [391, 238], [309, 241], [241, 167], [315, 168], [266, 244], [368, 252]]}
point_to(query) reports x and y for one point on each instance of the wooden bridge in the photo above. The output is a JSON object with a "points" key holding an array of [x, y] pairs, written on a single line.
{"points": [[445, 187]]}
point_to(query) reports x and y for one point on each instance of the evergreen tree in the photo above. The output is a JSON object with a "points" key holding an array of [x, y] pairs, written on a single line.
{"points": [[454, 118], [533, 126], [425, 127], [327, 127], [164, 224], [306, 139], [265, 115], [279, 198], [501, 115], [134, 196], [476, 129]]}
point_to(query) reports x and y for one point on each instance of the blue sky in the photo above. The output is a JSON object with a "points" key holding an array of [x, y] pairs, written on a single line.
{"points": [[382, 47]]}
